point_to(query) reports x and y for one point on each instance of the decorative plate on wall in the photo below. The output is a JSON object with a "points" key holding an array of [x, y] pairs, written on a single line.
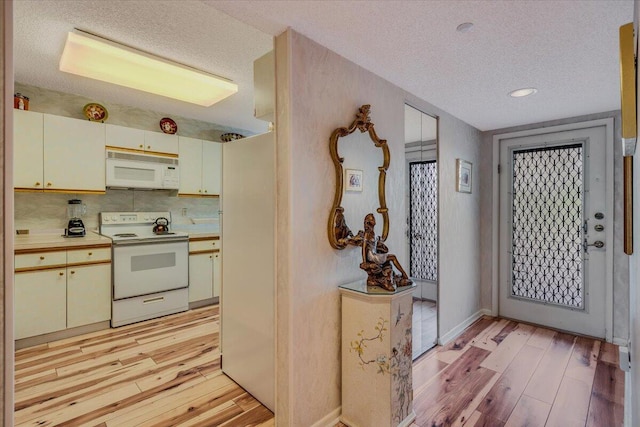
{"points": [[227, 137], [168, 126], [95, 112]]}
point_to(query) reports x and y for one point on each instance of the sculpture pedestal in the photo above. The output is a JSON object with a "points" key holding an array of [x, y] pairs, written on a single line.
{"points": [[377, 387]]}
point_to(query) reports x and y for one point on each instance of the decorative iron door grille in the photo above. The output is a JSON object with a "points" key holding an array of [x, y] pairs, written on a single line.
{"points": [[423, 223], [547, 217]]}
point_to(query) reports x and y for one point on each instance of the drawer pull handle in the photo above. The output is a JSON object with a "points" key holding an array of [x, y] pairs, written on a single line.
{"points": [[90, 253], [37, 184], [49, 184], [152, 300], [148, 147], [73, 272], [61, 273], [141, 146], [41, 258], [210, 257]]}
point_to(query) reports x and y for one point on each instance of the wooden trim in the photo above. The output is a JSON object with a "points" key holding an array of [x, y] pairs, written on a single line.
{"points": [[58, 266], [43, 268], [214, 251], [133, 150], [86, 263], [198, 195], [202, 239], [71, 190], [61, 248], [28, 190]]}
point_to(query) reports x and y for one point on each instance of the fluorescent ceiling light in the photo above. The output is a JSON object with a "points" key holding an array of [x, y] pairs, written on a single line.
{"points": [[97, 58], [523, 92]]}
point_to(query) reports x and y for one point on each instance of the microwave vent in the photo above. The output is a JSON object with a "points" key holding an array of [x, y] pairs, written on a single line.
{"points": [[142, 158]]}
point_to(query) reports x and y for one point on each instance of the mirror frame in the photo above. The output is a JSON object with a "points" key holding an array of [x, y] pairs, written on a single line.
{"points": [[362, 123]]}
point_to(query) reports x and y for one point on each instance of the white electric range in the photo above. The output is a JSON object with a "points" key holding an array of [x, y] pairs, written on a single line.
{"points": [[150, 272]]}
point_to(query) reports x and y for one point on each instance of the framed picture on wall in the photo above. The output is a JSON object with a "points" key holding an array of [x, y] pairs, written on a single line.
{"points": [[353, 180], [464, 176]]}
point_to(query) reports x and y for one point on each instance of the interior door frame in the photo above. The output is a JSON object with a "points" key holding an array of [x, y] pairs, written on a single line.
{"points": [[608, 123]]}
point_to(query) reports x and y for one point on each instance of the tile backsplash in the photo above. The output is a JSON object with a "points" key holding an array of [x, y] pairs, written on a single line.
{"points": [[37, 211]]}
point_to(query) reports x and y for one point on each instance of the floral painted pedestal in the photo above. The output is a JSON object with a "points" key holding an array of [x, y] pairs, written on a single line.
{"points": [[377, 387]]}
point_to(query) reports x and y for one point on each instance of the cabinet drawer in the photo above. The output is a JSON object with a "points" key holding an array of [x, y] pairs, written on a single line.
{"points": [[88, 255], [205, 245], [40, 259]]}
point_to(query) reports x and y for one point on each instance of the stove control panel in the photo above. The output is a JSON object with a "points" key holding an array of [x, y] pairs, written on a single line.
{"points": [[132, 217]]}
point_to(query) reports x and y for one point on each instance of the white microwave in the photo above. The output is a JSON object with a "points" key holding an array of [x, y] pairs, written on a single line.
{"points": [[131, 170]]}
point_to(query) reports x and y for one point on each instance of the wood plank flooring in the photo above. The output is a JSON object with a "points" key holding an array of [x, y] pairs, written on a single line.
{"points": [[163, 372], [501, 373], [166, 372]]}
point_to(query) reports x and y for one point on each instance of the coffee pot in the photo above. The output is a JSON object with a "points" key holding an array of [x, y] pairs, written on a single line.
{"points": [[75, 226]]}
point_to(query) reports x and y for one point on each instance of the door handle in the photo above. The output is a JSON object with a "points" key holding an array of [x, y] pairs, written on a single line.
{"points": [[599, 244]]}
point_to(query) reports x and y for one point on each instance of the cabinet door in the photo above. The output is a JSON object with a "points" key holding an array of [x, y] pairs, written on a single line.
{"points": [[123, 137], [211, 167], [73, 154], [161, 142], [217, 274], [27, 154], [190, 166], [40, 302], [88, 294], [200, 276]]}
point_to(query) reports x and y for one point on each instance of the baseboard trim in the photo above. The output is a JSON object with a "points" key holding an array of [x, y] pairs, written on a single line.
{"points": [[329, 420], [457, 330], [628, 399]]}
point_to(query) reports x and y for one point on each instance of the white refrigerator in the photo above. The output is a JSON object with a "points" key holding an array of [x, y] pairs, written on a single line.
{"points": [[248, 265]]}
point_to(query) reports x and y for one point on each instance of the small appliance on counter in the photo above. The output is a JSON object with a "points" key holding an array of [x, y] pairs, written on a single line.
{"points": [[75, 226]]}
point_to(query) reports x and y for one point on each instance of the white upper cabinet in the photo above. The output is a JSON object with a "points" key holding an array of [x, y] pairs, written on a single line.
{"points": [[161, 142], [28, 149], [141, 140], [200, 167], [190, 166], [124, 137], [57, 153], [211, 167], [73, 154]]}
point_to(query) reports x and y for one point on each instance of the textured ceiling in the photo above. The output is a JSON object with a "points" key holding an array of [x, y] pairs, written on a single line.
{"points": [[567, 49], [184, 31]]}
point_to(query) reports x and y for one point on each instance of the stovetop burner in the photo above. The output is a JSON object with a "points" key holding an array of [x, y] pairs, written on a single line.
{"points": [[136, 227]]}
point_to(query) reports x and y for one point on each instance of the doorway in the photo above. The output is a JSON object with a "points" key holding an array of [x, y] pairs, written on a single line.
{"points": [[555, 229], [422, 224]]}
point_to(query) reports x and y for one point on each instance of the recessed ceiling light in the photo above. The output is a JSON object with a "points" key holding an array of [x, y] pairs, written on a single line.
{"points": [[464, 27], [519, 93]]}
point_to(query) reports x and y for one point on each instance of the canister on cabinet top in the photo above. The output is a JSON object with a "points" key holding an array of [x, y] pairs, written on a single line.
{"points": [[20, 101]]}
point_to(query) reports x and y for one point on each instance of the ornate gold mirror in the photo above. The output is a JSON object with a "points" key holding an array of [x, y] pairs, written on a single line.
{"points": [[361, 161]]}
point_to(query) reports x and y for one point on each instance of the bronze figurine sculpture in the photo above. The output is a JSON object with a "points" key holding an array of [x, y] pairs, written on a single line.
{"points": [[378, 262]]}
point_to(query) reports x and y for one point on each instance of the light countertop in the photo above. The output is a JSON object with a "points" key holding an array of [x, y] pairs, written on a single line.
{"points": [[49, 241]]}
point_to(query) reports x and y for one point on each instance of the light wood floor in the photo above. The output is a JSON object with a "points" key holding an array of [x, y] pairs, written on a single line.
{"points": [[163, 372], [166, 372]]}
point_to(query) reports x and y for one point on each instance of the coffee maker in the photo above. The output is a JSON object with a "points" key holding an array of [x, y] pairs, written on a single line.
{"points": [[75, 226]]}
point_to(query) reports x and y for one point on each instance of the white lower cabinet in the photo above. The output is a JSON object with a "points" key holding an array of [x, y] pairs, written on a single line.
{"points": [[200, 277], [40, 301], [61, 289], [88, 294], [205, 273]]}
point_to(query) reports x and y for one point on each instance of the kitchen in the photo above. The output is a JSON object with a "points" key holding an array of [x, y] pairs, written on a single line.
{"points": [[45, 213]]}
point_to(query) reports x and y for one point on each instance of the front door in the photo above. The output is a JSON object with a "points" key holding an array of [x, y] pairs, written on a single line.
{"points": [[552, 229]]}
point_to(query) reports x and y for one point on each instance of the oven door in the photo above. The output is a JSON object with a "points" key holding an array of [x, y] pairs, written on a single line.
{"points": [[141, 268]]}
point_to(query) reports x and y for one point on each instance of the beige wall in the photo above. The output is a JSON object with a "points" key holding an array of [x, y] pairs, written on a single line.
{"points": [[634, 316], [319, 91], [6, 250]]}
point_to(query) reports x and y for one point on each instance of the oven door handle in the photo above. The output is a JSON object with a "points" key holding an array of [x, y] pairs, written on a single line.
{"points": [[150, 241]]}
